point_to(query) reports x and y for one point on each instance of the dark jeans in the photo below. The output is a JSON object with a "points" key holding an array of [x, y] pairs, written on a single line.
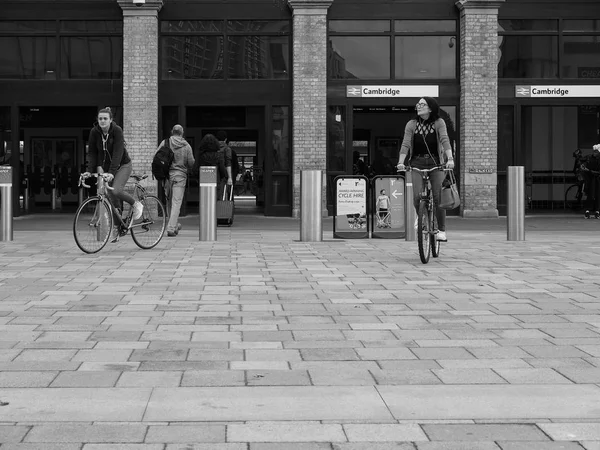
{"points": [[592, 192], [118, 193], [436, 178]]}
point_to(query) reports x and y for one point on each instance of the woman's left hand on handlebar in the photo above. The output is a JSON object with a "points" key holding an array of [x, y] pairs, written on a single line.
{"points": [[108, 176], [450, 164]]}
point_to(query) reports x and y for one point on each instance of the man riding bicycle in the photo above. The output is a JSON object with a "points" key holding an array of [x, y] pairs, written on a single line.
{"points": [[427, 145]]}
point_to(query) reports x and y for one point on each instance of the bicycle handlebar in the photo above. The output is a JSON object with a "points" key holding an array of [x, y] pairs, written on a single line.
{"points": [[432, 169], [104, 177]]}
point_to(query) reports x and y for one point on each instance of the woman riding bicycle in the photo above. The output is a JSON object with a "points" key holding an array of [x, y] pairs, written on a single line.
{"points": [[427, 145], [107, 153]]}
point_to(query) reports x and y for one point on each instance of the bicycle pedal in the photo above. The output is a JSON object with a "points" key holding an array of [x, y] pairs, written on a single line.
{"points": [[597, 215]]}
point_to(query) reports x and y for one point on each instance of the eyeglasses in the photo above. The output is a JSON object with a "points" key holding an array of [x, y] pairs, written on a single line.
{"points": [[103, 118], [421, 104]]}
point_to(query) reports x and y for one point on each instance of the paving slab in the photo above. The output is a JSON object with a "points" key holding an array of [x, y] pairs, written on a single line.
{"points": [[73, 404], [265, 403], [492, 401]]}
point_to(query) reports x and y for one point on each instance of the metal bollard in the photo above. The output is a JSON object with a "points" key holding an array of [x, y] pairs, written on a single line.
{"points": [[26, 197], [311, 215], [409, 210], [515, 216], [6, 211], [208, 204]]}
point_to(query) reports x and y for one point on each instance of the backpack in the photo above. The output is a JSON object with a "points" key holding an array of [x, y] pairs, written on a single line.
{"points": [[161, 163]]}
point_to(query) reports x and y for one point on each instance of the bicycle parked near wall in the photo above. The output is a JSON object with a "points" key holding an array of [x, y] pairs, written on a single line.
{"points": [[95, 217], [574, 193], [427, 226]]}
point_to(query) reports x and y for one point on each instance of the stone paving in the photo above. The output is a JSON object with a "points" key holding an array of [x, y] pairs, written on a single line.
{"points": [[261, 342]]}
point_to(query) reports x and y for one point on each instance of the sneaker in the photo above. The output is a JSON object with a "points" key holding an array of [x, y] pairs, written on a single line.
{"points": [[138, 208], [115, 235], [441, 236], [171, 233], [587, 215], [597, 215], [179, 227]]}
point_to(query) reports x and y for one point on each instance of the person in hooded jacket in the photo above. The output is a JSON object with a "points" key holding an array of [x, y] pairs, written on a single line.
{"points": [[107, 154], [226, 178], [183, 162]]}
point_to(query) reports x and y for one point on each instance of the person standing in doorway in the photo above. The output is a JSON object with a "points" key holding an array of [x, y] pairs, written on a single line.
{"points": [[107, 154], [183, 161], [426, 145], [228, 158]]}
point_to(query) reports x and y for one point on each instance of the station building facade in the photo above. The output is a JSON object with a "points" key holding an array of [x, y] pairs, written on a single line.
{"points": [[302, 84]]}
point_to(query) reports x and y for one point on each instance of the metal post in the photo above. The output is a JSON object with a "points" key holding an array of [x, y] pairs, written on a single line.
{"points": [[26, 196], [208, 204], [6, 212], [516, 203], [311, 216], [409, 208]]}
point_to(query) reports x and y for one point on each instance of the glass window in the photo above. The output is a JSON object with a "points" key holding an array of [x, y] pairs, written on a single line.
{"points": [[190, 26], [527, 25], [528, 57], [281, 138], [425, 26], [109, 26], [259, 26], [581, 25], [365, 57], [258, 57], [28, 26], [91, 57], [436, 57], [192, 57], [28, 57], [341, 26], [581, 56]]}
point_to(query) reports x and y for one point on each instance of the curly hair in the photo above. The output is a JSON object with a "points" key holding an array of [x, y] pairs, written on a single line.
{"points": [[209, 143]]}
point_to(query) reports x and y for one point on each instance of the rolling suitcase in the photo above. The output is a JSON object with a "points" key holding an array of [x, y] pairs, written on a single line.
{"points": [[225, 208]]}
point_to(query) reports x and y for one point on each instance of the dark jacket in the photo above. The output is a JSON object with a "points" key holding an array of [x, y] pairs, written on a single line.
{"points": [[113, 156]]}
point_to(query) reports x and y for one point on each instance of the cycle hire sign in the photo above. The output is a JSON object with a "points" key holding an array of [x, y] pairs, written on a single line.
{"points": [[350, 220], [388, 190]]}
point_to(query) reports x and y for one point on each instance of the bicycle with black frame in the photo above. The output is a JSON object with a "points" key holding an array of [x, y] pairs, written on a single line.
{"points": [[427, 226], [574, 193], [95, 217], [585, 185]]}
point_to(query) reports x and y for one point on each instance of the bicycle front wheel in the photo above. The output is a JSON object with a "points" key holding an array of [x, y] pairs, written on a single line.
{"points": [[435, 244], [423, 232], [92, 225], [149, 230]]}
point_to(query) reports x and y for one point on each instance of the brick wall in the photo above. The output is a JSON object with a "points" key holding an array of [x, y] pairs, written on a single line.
{"points": [[479, 106], [309, 134], [140, 83]]}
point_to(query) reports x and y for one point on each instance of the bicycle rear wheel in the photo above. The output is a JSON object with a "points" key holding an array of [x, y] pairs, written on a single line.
{"points": [[423, 235], [435, 244], [92, 225], [149, 230], [573, 197]]}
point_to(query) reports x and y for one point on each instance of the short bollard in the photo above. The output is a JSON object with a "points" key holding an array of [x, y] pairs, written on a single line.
{"points": [[410, 213], [6, 211], [515, 216], [208, 204], [311, 215]]}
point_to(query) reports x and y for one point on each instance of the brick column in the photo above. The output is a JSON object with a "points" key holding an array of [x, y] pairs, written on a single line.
{"points": [[309, 135], [479, 106], [140, 82]]}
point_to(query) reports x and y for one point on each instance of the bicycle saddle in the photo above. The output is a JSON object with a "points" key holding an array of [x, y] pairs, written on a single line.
{"points": [[139, 178]]}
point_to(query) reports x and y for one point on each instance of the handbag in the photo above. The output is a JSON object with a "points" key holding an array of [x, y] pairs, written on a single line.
{"points": [[449, 198]]}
